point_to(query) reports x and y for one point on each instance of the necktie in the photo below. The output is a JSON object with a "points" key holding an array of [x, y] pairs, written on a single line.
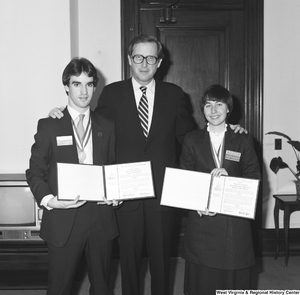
{"points": [[143, 110], [80, 128]]}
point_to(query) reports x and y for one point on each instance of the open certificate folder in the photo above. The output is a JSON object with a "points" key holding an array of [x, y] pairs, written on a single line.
{"points": [[115, 182], [193, 190]]}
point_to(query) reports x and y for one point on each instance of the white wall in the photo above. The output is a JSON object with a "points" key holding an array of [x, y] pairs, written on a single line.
{"points": [[100, 39], [38, 39], [281, 97]]}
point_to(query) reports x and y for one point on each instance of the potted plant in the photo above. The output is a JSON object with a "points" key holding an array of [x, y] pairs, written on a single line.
{"points": [[277, 163]]}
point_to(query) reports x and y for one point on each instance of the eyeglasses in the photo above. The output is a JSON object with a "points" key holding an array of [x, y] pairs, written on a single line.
{"points": [[138, 59]]}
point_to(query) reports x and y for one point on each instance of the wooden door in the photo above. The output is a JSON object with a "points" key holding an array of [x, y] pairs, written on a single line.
{"points": [[206, 42], [198, 55]]}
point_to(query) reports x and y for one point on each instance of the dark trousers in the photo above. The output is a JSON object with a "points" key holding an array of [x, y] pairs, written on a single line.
{"points": [[86, 237], [134, 227], [202, 280]]}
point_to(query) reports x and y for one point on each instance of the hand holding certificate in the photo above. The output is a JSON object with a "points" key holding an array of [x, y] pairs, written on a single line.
{"points": [[196, 191], [114, 182]]}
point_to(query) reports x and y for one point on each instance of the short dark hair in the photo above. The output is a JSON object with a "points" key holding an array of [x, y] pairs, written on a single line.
{"points": [[76, 67], [143, 38], [217, 93]]}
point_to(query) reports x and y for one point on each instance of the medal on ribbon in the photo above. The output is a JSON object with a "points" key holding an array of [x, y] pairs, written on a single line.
{"points": [[81, 144]]}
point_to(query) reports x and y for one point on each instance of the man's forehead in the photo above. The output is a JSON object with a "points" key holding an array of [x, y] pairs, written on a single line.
{"points": [[81, 78], [148, 46]]}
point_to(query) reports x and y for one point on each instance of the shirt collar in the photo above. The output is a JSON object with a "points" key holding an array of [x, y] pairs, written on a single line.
{"points": [[150, 86], [225, 129], [74, 114]]}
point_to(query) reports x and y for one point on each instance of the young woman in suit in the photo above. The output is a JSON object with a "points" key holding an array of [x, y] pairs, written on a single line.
{"points": [[218, 249]]}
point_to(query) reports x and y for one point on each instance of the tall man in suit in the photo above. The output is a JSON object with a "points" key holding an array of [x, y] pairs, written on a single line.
{"points": [[168, 121], [72, 228]]}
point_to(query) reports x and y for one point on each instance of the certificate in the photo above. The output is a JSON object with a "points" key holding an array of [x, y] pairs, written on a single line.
{"points": [[194, 190], [81, 180], [113, 182], [185, 189], [129, 181]]}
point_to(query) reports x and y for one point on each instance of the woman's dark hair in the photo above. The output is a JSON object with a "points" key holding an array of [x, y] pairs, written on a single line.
{"points": [[143, 38], [217, 93], [76, 67]]}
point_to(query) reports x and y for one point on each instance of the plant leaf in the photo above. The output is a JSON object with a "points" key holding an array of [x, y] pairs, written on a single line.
{"points": [[295, 144], [280, 134], [298, 168], [276, 164]]}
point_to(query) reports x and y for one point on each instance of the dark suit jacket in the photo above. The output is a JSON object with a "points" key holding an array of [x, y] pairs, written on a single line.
{"points": [[221, 241], [42, 174], [170, 121]]}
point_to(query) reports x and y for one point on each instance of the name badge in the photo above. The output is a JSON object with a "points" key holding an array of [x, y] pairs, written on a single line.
{"points": [[64, 140], [232, 156]]}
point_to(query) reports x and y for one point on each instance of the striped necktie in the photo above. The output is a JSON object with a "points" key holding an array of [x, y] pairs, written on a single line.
{"points": [[143, 110]]}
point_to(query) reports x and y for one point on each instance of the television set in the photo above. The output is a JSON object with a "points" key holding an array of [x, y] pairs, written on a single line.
{"points": [[20, 216]]}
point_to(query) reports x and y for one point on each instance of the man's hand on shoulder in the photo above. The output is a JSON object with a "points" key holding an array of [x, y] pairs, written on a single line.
{"points": [[238, 129], [57, 113]]}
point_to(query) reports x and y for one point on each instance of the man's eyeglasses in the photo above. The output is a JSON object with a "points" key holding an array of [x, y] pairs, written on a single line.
{"points": [[138, 59]]}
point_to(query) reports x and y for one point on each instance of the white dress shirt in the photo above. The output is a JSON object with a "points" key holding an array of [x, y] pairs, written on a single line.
{"points": [[150, 93], [88, 149]]}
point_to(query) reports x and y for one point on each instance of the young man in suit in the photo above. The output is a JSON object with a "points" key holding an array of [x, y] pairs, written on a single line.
{"points": [[72, 228]]}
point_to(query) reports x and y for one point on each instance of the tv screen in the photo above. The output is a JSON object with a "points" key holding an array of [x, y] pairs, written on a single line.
{"points": [[20, 217], [17, 206]]}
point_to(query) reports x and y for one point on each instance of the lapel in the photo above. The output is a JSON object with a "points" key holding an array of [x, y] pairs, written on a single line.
{"points": [[129, 106], [205, 149], [158, 108], [229, 136], [97, 136], [67, 129]]}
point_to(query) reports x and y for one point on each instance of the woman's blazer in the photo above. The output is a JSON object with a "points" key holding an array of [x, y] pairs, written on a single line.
{"points": [[221, 241]]}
